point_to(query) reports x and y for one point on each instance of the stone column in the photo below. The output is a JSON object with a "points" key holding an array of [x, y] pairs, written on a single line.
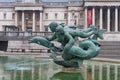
{"points": [[85, 18], [68, 17], [77, 21], [108, 19], [93, 16], [23, 20], [41, 21], [101, 18], [33, 26], [16, 18], [116, 19]]}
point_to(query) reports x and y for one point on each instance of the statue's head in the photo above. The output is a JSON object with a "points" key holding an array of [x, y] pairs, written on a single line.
{"points": [[53, 26]]}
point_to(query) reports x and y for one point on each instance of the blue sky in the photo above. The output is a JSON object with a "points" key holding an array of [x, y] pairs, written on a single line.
{"points": [[44, 0], [55, 0], [7, 0]]}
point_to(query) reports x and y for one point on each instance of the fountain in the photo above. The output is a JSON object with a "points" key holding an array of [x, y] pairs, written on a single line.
{"points": [[70, 65], [46, 69], [72, 54]]}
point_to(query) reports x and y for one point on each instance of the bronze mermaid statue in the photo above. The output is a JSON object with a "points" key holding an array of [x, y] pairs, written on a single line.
{"points": [[72, 54]]}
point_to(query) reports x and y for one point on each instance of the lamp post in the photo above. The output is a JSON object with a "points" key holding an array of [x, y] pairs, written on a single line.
{"points": [[27, 29], [26, 22], [75, 20]]}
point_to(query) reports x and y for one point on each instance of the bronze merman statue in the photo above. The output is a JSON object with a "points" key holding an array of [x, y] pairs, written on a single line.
{"points": [[72, 54]]}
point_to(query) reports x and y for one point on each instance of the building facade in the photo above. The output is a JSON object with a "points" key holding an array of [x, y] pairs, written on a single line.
{"points": [[104, 14], [35, 15]]}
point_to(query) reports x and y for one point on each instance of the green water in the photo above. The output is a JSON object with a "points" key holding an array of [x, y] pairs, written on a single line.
{"points": [[31, 68]]}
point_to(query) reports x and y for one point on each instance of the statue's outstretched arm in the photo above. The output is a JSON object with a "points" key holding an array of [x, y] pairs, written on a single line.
{"points": [[88, 30], [91, 27], [87, 33], [84, 34]]}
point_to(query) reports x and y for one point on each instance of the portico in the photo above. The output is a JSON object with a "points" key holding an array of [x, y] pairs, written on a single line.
{"points": [[29, 18], [104, 15]]}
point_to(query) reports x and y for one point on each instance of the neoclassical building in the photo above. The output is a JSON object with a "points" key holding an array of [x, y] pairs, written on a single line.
{"points": [[105, 14], [35, 15]]}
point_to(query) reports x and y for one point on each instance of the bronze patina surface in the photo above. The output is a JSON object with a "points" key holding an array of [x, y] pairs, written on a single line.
{"points": [[72, 53]]}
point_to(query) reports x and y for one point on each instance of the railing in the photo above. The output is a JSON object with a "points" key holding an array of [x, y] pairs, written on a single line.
{"points": [[21, 35], [20, 50]]}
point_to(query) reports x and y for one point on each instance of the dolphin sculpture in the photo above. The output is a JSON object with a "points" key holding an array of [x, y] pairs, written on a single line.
{"points": [[72, 54], [44, 42]]}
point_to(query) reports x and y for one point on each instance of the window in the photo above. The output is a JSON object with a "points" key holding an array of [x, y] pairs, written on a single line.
{"points": [[36, 16], [19, 1], [56, 15], [73, 14], [46, 28], [30, 16], [13, 15], [65, 16], [81, 14], [37, 1], [46, 15], [4, 15]]}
